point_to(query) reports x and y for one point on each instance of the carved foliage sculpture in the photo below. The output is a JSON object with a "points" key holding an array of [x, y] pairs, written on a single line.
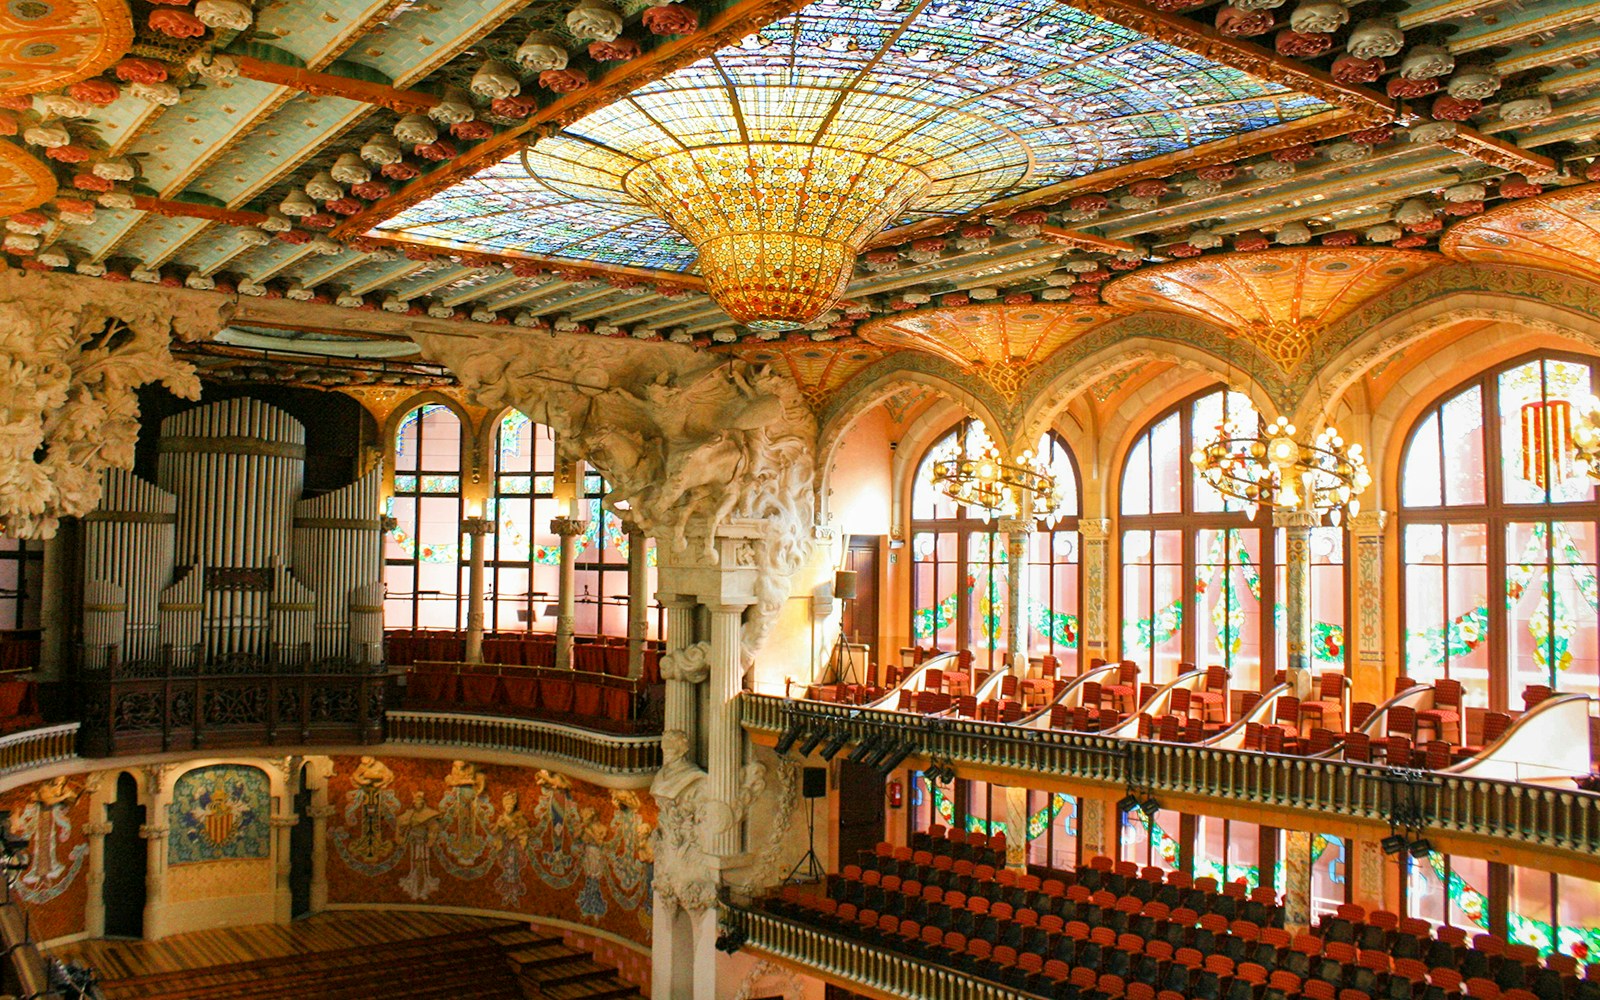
{"points": [[685, 441], [71, 355]]}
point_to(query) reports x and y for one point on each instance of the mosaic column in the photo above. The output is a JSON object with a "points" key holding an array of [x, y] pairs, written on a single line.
{"points": [[1297, 525], [680, 694], [638, 601], [283, 895], [1017, 829], [477, 529], [1095, 534], [1297, 885], [724, 733], [1369, 871], [567, 529], [1018, 531], [158, 795], [1099, 827], [319, 813], [1366, 534], [97, 876]]}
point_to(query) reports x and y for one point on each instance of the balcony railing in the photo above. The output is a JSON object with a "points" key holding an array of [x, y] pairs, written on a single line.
{"points": [[37, 747], [1530, 814], [855, 963], [605, 752]]}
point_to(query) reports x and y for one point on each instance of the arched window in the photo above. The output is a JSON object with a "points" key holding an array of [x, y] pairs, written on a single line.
{"points": [[422, 553], [1498, 537], [959, 567], [525, 555], [1198, 573]]}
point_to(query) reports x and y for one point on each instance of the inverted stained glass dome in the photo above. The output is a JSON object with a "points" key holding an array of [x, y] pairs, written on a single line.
{"points": [[766, 166]]}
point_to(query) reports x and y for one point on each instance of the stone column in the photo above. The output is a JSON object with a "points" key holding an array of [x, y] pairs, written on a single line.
{"points": [[1367, 865], [282, 893], [1297, 880], [1366, 534], [319, 814], [1095, 534], [568, 529], [155, 878], [96, 922], [638, 601], [679, 667], [1018, 531], [1017, 829], [477, 529], [725, 744], [1099, 827], [1297, 525]]}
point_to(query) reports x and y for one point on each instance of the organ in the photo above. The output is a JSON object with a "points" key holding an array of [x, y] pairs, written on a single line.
{"points": [[222, 562]]}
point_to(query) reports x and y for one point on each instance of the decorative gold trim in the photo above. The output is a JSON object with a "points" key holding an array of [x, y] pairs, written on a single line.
{"points": [[230, 445], [16, 195], [1497, 152], [112, 41]]}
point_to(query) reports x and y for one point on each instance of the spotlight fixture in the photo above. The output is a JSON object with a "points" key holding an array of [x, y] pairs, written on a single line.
{"points": [[1420, 848], [895, 757], [1393, 844], [813, 740], [831, 749], [868, 748], [789, 736], [731, 940], [1128, 803], [1150, 806]]}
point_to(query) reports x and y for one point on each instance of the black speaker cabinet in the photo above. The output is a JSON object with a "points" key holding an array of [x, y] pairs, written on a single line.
{"points": [[814, 782], [844, 584]]}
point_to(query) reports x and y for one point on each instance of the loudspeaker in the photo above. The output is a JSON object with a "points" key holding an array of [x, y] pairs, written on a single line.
{"points": [[844, 585], [814, 782]]}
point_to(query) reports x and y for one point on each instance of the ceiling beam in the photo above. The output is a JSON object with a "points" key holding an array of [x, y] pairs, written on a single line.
{"points": [[319, 84]]}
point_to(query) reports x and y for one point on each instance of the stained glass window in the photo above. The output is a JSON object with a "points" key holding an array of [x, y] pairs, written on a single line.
{"points": [[1198, 575], [422, 552], [960, 568], [21, 571], [1498, 537]]}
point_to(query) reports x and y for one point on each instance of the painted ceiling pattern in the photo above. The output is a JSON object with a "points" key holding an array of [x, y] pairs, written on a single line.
{"points": [[1278, 299], [50, 43], [1558, 232], [1000, 342], [989, 97]]}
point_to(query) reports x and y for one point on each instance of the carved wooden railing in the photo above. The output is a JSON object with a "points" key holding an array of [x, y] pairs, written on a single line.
{"points": [[858, 964], [1529, 814], [37, 747], [605, 752], [161, 705]]}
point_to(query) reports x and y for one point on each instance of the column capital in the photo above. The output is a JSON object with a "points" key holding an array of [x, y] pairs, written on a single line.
{"points": [[1369, 522], [97, 829], [727, 609], [477, 527], [1094, 529], [1296, 518], [568, 527], [154, 831], [1015, 525], [283, 822], [676, 601], [322, 811]]}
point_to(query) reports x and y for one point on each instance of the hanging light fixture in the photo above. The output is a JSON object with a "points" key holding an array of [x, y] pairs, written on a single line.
{"points": [[1271, 468], [971, 472]]}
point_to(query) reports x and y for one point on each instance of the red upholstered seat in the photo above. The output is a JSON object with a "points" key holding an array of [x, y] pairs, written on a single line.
{"points": [[1443, 720]]}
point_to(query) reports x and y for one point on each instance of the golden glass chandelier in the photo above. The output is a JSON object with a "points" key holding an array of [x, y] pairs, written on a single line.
{"points": [[972, 473], [777, 225], [1585, 435], [1272, 469]]}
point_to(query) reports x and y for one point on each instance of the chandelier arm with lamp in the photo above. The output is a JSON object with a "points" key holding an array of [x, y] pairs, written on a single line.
{"points": [[973, 474], [1273, 469], [1585, 435]]}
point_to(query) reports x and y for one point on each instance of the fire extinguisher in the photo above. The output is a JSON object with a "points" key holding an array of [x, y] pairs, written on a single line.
{"points": [[897, 795]]}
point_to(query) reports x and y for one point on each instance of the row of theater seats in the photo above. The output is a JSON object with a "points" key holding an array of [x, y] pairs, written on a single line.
{"points": [[1112, 930]]}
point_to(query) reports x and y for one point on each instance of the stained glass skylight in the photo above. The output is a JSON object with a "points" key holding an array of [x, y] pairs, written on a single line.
{"points": [[988, 98]]}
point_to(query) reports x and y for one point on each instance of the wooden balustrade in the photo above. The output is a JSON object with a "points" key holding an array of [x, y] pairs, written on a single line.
{"points": [[37, 747], [600, 751], [857, 964], [1528, 814]]}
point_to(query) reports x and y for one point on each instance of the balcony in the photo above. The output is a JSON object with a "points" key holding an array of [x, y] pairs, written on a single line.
{"points": [[604, 752], [1301, 792], [38, 747]]}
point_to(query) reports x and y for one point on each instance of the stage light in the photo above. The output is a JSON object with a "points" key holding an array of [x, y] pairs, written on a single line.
{"points": [[1420, 848], [1128, 803], [831, 749], [895, 757], [868, 748], [731, 940], [789, 736], [1393, 844], [1150, 806], [813, 740]]}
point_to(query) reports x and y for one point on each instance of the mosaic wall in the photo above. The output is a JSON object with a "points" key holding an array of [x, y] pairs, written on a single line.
{"points": [[54, 887], [454, 833], [220, 813]]}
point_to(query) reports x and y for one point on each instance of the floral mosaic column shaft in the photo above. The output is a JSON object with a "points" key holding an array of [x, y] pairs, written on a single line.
{"points": [[568, 529], [1092, 635], [477, 529], [1017, 829], [638, 601], [96, 832], [1297, 875], [283, 896], [1366, 531], [1017, 532], [1297, 525], [726, 735], [319, 814]]}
